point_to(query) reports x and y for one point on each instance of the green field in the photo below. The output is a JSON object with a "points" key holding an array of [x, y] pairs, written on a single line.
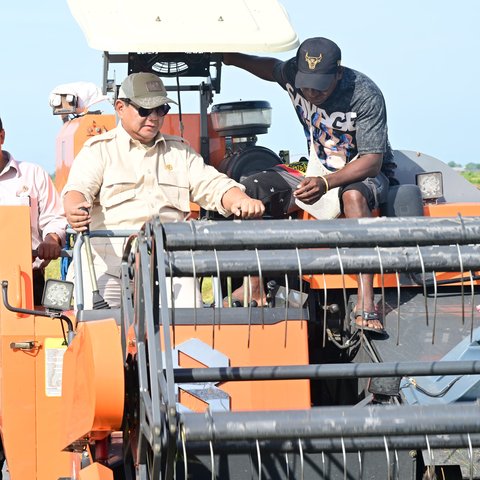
{"points": [[473, 177], [53, 269]]}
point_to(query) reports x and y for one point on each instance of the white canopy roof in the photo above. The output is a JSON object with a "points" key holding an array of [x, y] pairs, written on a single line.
{"points": [[185, 25]]}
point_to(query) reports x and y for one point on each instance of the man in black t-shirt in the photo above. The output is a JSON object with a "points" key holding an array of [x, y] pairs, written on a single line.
{"points": [[344, 119]]}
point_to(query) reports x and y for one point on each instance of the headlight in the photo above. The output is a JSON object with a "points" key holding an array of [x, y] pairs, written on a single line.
{"points": [[57, 295], [430, 184]]}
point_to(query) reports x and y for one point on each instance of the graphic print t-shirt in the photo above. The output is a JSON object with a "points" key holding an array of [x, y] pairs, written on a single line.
{"points": [[351, 121]]}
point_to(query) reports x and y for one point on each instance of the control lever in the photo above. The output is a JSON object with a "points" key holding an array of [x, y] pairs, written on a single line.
{"points": [[98, 301], [272, 288], [332, 308]]}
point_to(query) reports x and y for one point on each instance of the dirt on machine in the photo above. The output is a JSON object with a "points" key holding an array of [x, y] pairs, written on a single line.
{"points": [[283, 390]]}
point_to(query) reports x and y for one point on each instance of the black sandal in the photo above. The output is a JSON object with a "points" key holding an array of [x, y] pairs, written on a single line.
{"points": [[366, 317]]}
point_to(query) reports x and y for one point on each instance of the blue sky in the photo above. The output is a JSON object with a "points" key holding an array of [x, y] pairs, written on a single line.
{"points": [[422, 54]]}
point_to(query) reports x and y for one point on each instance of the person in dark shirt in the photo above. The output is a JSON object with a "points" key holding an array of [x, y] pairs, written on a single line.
{"points": [[344, 119]]}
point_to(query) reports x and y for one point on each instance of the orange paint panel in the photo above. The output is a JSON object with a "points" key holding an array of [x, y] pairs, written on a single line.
{"points": [[17, 404], [266, 348], [451, 275], [452, 210], [389, 280], [16, 254], [350, 281], [96, 471], [93, 382], [71, 138], [192, 402], [191, 132], [48, 389], [186, 361], [17, 367]]}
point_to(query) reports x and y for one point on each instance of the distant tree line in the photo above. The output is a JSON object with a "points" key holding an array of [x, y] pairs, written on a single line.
{"points": [[469, 167]]}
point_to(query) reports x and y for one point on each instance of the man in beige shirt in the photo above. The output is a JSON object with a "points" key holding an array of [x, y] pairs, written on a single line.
{"points": [[134, 172]]}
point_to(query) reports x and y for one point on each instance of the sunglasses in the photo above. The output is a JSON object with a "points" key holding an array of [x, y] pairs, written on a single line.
{"points": [[161, 111]]}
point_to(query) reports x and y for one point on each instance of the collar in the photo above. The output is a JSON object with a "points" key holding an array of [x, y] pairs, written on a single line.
{"points": [[10, 163], [128, 142]]}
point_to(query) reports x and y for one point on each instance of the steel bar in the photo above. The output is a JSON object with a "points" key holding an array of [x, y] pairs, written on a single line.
{"points": [[343, 370], [365, 232], [325, 260], [351, 444], [331, 422]]}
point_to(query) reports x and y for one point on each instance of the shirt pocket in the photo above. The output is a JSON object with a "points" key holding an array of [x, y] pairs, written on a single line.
{"points": [[176, 193], [116, 191]]}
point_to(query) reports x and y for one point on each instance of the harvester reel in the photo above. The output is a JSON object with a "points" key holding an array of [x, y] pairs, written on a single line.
{"points": [[160, 432], [150, 407]]}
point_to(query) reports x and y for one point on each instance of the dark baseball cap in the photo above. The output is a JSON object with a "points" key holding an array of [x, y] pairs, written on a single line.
{"points": [[318, 60], [145, 90]]}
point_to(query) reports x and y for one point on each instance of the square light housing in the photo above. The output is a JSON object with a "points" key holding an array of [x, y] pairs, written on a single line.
{"points": [[57, 295], [430, 184], [63, 104], [244, 118]]}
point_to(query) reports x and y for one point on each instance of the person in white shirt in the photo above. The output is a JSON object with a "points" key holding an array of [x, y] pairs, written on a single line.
{"points": [[24, 183]]}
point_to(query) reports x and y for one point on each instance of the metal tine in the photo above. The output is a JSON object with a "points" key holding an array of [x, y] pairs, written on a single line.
{"points": [[396, 466], [172, 298], [434, 307], [382, 282], [184, 448], [424, 283], [344, 455], [397, 278], [212, 460], [342, 272], [219, 287], [300, 448], [362, 301], [470, 455], [229, 291], [472, 286], [323, 465], [431, 459], [300, 278], [362, 304], [246, 279], [324, 311], [259, 457], [388, 457], [462, 288], [286, 310], [262, 291], [360, 465], [208, 415], [250, 293], [215, 295], [287, 466], [194, 293]]}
